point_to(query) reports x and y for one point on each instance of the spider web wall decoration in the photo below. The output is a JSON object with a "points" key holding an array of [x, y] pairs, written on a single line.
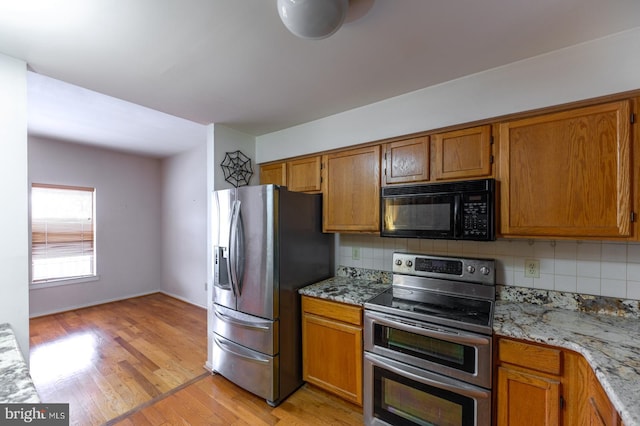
{"points": [[237, 168]]}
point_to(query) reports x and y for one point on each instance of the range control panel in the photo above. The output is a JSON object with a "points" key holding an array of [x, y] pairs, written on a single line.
{"points": [[474, 270]]}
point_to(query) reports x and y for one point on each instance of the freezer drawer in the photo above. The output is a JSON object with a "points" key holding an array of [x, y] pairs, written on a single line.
{"points": [[255, 333], [251, 370]]}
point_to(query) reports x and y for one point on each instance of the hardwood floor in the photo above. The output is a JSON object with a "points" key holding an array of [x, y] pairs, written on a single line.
{"points": [[214, 400], [108, 359], [140, 362]]}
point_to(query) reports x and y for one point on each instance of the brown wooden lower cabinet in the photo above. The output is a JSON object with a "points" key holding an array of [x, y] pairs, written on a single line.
{"points": [[543, 385], [332, 347]]}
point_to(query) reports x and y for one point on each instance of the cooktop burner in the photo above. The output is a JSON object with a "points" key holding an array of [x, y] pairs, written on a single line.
{"points": [[457, 292], [448, 307]]}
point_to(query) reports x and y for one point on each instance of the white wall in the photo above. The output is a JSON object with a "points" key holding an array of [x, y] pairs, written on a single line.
{"points": [[184, 224], [14, 226], [128, 221], [596, 68], [229, 140]]}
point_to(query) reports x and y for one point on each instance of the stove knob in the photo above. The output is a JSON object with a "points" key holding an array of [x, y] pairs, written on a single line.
{"points": [[409, 263], [398, 262], [471, 269], [484, 270]]}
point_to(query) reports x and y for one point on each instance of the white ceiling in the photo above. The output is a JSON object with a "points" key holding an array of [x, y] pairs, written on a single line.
{"points": [[169, 67]]}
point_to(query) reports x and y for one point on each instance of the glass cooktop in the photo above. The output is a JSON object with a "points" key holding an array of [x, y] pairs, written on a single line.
{"points": [[428, 306]]}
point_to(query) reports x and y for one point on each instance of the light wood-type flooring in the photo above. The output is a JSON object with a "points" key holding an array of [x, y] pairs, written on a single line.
{"points": [[141, 361]]}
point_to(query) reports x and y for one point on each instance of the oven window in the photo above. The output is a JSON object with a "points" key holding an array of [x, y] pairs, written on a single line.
{"points": [[419, 214], [439, 351], [402, 401]]}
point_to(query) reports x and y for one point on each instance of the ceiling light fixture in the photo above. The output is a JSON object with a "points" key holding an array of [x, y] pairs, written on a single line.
{"points": [[313, 19]]}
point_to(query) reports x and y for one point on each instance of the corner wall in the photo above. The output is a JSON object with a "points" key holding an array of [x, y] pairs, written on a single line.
{"points": [[128, 221], [184, 224], [14, 226]]}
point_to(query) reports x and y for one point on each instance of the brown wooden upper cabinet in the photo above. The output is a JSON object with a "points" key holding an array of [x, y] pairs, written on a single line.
{"points": [[462, 154], [406, 161], [304, 175], [567, 174], [275, 173], [459, 154], [300, 175], [351, 188]]}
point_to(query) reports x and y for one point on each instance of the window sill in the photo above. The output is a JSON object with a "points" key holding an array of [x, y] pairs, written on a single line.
{"points": [[64, 281]]}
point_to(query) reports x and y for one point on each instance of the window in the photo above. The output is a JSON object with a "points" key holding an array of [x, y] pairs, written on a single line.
{"points": [[62, 233]]}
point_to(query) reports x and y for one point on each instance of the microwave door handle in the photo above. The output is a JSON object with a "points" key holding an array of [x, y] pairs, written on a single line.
{"points": [[233, 248], [457, 216]]}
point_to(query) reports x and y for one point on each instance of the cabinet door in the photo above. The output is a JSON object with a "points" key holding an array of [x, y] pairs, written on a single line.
{"points": [[406, 161], [351, 188], [332, 356], [462, 153], [527, 399], [303, 175], [567, 174], [273, 173], [600, 410]]}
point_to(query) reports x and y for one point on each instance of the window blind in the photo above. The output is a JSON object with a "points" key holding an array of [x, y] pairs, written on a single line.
{"points": [[62, 232]]}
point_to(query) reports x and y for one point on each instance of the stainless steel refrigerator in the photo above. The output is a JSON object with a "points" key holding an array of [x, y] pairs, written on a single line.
{"points": [[268, 243]]}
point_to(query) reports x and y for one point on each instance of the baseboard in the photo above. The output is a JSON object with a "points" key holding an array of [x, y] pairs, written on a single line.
{"points": [[118, 299], [175, 296]]}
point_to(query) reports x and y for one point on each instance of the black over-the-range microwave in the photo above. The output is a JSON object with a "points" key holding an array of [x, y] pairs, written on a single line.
{"points": [[462, 210]]}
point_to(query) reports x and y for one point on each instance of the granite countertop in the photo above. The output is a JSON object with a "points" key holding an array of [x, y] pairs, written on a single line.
{"points": [[354, 291], [15, 382], [610, 344]]}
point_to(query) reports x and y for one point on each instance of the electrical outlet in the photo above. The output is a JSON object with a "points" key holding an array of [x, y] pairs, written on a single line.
{"points": [[355, 253], [532, 268]]}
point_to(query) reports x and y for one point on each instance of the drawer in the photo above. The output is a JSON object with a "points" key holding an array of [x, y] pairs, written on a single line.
{"points": [[251, 370], [533, 357], [351, 314], [255, 333]]}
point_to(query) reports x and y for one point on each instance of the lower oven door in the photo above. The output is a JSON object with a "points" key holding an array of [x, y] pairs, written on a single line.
{"points": [[451, 352], [400, 394]]}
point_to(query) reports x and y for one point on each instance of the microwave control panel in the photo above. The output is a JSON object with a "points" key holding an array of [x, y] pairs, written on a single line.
{"points": [[477, 219]]}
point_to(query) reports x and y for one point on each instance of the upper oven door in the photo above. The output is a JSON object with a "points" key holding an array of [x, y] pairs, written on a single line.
{"points": [[454, 353], [420, 215]]}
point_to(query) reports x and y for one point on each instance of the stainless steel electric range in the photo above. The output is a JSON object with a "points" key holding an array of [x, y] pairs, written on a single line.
{"points": [[428, 343]]}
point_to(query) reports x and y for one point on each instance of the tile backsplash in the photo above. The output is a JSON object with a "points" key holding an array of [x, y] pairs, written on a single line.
{"points": [[599, 268]]}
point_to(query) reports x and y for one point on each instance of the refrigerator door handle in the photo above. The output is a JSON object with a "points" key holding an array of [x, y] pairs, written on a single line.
{"points": [[233, 248], [226, 348], [229, 320]]}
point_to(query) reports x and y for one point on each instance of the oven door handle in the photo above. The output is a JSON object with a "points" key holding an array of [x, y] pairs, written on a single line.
{"points": [[427, 330], [424, 379]]}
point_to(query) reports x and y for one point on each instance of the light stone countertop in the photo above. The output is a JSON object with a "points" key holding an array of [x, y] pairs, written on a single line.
{"points": [[610, 344], [354, 291], [15, 382]]}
